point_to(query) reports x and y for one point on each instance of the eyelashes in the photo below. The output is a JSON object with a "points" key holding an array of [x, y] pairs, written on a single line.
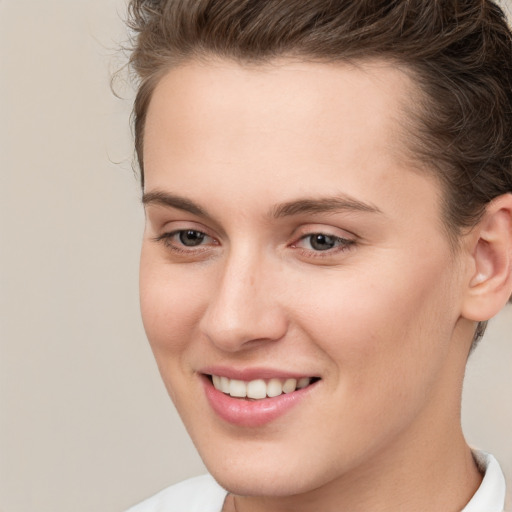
{"points": [[195, 242], [322, 242], [185, 241], [190, 237]]}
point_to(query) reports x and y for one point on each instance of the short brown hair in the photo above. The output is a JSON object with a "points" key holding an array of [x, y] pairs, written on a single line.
{"points": [[459, 52]]}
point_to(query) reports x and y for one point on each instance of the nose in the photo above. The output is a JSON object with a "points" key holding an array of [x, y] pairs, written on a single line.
{"points": [[244, 309]]}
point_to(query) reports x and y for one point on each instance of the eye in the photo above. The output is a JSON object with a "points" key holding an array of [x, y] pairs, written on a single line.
{"points": [[323, 242], [184, 240], [191, 237]]}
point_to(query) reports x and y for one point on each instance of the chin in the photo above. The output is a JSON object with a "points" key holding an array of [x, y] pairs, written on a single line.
{"points": [[258, 468], [263, 482]]}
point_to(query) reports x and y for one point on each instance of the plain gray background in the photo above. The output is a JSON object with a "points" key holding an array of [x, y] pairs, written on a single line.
{"points": [[85, 424]]}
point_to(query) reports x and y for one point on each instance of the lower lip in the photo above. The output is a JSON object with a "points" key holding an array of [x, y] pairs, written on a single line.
{"points": [[251, 413]]}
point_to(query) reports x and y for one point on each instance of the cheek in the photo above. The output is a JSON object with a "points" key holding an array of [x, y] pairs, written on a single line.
{"points": [[170, 305], [170, 308], [389, 325], [386, 344]]}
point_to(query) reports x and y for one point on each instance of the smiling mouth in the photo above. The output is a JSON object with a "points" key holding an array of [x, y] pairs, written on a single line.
{"points": [[260, 388]]}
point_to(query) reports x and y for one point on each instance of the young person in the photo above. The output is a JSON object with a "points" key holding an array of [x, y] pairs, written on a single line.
{"points": [[327, 188]]}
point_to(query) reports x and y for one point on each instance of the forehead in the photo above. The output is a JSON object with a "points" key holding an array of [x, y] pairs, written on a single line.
{"points": [[282, 130], [344, 103]]}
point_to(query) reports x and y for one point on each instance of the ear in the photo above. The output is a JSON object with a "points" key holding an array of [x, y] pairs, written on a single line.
{"points": [[490, 274]]}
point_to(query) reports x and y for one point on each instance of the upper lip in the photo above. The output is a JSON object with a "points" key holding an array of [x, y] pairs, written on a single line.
{"points": [[248, 374]]}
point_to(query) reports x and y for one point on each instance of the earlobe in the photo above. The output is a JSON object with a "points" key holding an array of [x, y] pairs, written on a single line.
{"points": [[490, 283]]}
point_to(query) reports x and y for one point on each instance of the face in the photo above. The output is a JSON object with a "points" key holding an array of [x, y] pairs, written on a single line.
{"points": [[293, 253]]}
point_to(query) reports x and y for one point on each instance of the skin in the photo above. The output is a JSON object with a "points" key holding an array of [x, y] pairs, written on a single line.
{"points": [[379, 319]]}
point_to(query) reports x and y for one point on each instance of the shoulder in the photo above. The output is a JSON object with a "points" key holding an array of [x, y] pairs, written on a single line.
{"points": [[199, 494]]}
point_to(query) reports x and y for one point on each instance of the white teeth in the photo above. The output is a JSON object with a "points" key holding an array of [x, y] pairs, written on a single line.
{"points": [[258, 389], [305, 381], [274, 387], [290, 385], [238, 388], [224, 385]]}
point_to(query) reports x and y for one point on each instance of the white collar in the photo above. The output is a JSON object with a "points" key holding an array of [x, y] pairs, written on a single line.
{"points": [[490, 496]]}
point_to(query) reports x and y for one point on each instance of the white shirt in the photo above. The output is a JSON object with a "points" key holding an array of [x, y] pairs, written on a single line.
{"points": [[204, 494]]}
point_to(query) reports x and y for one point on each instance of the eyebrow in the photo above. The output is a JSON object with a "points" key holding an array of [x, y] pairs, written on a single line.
{"points": [[335, 204], [323, 205], [180, 203]]}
